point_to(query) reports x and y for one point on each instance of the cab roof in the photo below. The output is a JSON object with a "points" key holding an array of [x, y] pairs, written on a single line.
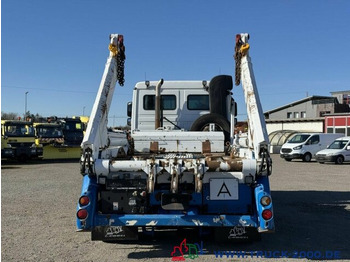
{"points": [[174, 85]]}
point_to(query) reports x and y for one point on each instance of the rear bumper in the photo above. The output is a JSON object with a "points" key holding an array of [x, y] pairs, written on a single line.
{"points": [[126, 227], [121, 233], [175, 220]]}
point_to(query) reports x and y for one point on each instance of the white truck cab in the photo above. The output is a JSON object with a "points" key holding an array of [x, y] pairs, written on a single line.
{"points": [[305, 145], [182, 102], [337, 152], [183, 105]]}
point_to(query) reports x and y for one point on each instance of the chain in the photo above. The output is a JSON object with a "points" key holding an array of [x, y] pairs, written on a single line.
{"points": [[120, 61], [238, 57]]}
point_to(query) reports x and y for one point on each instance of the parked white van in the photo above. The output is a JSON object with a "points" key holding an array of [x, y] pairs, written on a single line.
{"points": [[337, 152], [305, 145]]}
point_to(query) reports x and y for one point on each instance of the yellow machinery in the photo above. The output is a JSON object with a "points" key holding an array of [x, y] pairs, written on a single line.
{"points": [[84, 120], [51, 137], [18, 141]]}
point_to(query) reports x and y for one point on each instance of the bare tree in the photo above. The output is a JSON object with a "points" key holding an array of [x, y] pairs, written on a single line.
{"points": [[16, 116], [9, 116]]}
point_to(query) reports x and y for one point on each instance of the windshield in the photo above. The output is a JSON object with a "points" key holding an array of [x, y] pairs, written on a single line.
{"points": [[338, 144], [22, 130], [49, 132], [73, 126], [299, 139]]}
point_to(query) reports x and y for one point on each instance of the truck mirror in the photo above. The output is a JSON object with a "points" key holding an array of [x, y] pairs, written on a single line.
{"points": [[129, 109], [348, 148], [128, 121], [234, 107]]}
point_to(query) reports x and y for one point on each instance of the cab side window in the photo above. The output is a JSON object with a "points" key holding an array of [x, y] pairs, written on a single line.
{"points": [[198, 102], [314, 140], [168, 102]]}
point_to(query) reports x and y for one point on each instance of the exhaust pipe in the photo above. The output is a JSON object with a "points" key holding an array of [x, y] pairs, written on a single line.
{"points": [[157, 104]]}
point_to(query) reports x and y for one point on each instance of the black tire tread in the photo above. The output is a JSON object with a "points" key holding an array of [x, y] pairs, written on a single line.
{"points": [[200, 123]]}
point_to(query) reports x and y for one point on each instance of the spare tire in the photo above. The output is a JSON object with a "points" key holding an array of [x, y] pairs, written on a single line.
{"points": [[219, 88], [221, 124]]}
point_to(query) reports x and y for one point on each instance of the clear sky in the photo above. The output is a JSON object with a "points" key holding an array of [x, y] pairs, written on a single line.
{"points": [[56, 50]]}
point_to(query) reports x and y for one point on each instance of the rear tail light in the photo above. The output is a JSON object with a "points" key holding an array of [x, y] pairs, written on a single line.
{"points": [[267, 214], [82, 214], [265, 201], [84, 200]]}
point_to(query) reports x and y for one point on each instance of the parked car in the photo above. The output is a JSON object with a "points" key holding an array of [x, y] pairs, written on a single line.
{"points": [[305, 145], [337, 152]]}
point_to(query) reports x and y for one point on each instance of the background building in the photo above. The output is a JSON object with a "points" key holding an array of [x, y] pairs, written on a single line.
{"points": [[303, 115], [342, 96], [311, 114], [309, 108], [337, 123]]}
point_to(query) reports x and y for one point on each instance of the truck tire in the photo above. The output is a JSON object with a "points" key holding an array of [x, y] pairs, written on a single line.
{"points": [[307, 157], [339, 160], [221, 124]]}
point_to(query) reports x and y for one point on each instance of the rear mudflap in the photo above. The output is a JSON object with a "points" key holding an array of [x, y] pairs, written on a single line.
{"points": [[114, 233]]}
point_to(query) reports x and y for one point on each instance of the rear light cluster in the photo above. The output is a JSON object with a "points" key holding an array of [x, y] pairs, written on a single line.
{"points": [[83, 202], [267, 213], [265, 201], [82, 214]]}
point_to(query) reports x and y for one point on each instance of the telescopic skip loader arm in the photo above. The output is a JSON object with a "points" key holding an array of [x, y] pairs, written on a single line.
{"points": [[96, 136], [257, 133]]}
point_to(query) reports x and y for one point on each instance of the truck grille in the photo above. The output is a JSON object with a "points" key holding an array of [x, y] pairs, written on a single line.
{"points": [[286, 150]]}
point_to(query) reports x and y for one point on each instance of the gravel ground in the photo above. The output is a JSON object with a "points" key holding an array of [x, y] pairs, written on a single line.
{"points": [[38, 201]]}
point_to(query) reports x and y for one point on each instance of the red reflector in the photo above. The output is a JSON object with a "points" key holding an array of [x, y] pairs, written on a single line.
{"points": [[84, 200], [267, 214], [82, 213]]}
